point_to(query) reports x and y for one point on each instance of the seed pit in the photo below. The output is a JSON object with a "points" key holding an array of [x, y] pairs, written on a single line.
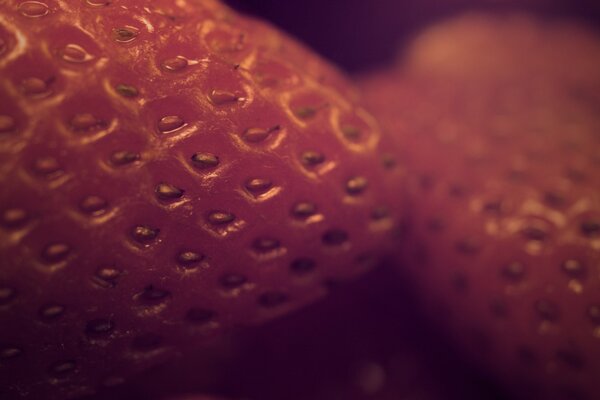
{"points": [[546, 310], [204, 160], [74, 53], [570, 359], [388, 161], [232, 281], [498, 308], [168, 192], [257, 135], [123, 157], [33, 9], [98, 3], [152, 295], [220, 97], [51, 312], [459, 282], [436, 224], [99, 327], [146, 342], [312, 158], [303, 265], [457, 190], [174, 64], [61, 369], [125, 34], [554, 199], [265, 244], [7, 353], [356, 185], [334, 237], [7, 294], [493, 206], [200, 316], [351, 132], [379, 213], [304, 210], [513, 272], [112, 381], [536, 233], [258, 186], [272, 299], [593, 313], [127, 90], [7, 124], [14, 218], [47, 167], [576, 176], [367, 260], [87, 122], [189, 259], [93, 205], [573, 269], [34, 87], [220, 217], [468, 246], [55, 252], [590, 229], [305, 112], [526, 355], [170, 123], [144, 234], [106, 277]]}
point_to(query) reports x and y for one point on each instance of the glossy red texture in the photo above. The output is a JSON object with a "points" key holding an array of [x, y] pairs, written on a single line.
{"points": [[169, 171], [499, 120]]}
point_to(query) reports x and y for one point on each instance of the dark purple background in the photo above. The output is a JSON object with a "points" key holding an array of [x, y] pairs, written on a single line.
{"points": [[363, 34]]}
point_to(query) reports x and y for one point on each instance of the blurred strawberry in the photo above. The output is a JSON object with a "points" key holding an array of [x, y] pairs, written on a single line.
{"points": [[169, 171], [366, 34], [500, 119]]}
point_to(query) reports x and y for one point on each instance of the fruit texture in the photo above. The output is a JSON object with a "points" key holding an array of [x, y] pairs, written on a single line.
{"points": [[499, 117], [169, 170], [365, 340]]}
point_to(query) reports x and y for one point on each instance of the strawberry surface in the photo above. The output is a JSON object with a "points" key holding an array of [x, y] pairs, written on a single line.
{"points": [[366, 340], [499, 117], [169, 170]]}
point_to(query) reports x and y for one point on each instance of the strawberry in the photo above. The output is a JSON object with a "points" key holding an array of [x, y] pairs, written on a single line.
{"points": [[500, 119], [366, 340], [170, 170]]}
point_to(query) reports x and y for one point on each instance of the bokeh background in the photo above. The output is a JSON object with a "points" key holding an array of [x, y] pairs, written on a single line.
{"points": [[360, 35]]}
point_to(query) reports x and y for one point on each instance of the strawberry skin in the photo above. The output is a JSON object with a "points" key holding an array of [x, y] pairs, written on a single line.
{"points": [[169, 170], [365, 340], [502, 157]]}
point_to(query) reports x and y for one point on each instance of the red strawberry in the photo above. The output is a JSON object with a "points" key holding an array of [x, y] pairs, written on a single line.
{"points": [[169, 170], [366, 340], [500, 117]]}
